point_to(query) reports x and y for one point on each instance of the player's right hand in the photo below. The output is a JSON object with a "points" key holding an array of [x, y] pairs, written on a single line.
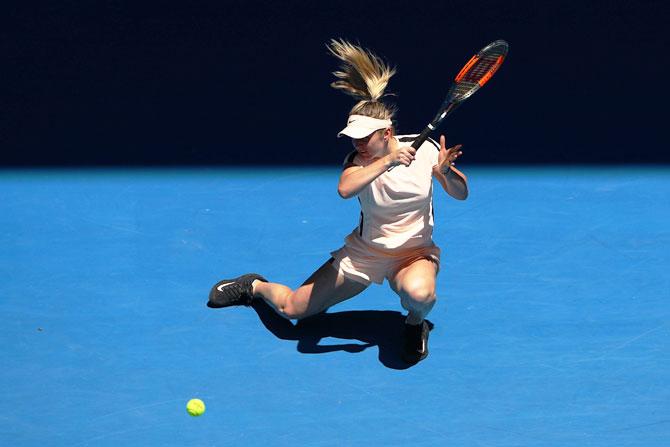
{"points": [[404, 155]]}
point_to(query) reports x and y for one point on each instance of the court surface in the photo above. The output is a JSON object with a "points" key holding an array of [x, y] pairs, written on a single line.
{"points": [[552, 326]]}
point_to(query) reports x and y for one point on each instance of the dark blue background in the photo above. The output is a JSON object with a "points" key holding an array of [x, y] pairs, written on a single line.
{"points": [[247, 82]]}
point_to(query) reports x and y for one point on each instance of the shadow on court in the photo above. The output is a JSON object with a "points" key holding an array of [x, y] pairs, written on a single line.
{"points": [[369, 327]]}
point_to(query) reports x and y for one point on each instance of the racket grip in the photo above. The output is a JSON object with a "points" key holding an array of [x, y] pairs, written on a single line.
{"points": [[423, 136], [416, 144]]}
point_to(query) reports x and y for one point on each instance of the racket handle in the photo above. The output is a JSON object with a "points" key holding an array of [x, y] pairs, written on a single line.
{"points": [[423, 136], [416, 144]]}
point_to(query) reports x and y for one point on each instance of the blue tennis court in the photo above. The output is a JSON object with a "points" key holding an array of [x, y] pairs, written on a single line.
{"points": [[552, 326]]}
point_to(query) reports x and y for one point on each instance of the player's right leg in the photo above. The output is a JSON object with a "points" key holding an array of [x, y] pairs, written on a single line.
{"points": [[325, 288]]}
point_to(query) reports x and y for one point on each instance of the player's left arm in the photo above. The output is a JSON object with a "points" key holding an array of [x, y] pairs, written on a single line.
{"points": [[453, 181]]}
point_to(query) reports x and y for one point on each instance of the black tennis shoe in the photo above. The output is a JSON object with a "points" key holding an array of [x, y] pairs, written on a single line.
{"points": [[415, 348], [234, 292]]}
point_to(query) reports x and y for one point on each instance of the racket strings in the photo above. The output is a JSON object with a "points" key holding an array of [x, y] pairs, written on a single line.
{"points": [[463, 88], [480, 68]]}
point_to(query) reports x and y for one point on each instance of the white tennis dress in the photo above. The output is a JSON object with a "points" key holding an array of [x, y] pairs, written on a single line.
{"points": [[396, 222]]}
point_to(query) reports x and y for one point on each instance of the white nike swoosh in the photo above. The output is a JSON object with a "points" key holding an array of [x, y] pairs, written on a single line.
{"points": [[220, 287]]}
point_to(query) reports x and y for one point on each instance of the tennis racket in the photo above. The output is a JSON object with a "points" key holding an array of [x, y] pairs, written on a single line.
{"points": [[477, 72]]}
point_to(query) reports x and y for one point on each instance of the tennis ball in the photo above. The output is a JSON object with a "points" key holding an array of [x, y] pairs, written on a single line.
{"points": [[195, 407]]}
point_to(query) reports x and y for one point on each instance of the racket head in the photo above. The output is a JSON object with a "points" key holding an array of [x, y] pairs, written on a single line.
{"points": [[474, 74], [477, 72]]}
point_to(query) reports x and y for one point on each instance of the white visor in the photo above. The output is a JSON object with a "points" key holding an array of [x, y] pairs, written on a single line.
{"points": [[359, 126]]}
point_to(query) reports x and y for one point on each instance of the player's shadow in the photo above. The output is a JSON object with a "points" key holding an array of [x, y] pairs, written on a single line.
{"points": [[383, 329]]}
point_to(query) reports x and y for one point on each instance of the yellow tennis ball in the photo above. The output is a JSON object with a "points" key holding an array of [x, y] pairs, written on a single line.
{"points": [[195, 407]]}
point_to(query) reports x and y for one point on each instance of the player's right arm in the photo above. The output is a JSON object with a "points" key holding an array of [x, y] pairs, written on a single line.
{"points": [[355, 177]]}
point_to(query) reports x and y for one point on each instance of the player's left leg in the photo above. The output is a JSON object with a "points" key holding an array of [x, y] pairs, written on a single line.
{"points": [[415, 284]]}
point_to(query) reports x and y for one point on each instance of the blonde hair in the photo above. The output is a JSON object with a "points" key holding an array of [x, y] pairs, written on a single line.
{"points": [[364, 76]]}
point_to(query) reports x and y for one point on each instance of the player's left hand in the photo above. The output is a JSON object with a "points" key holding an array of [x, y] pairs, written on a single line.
{"points": [[447, 157]]}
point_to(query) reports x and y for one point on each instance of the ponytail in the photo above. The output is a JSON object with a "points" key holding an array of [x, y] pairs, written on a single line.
{"points": [[364, 76]]}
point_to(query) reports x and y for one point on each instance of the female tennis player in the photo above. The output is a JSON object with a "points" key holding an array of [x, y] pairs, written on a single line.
{"points": [[393, 239]]}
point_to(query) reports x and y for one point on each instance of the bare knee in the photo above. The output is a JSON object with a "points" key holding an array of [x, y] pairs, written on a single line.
{"points": [[294, 307], [419, 293]]}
